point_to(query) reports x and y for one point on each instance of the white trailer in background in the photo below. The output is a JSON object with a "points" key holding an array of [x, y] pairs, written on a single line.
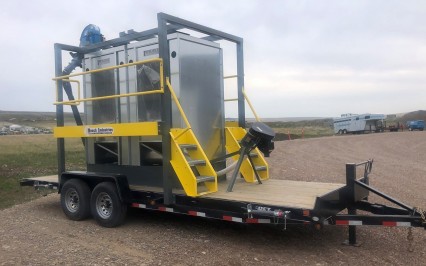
{"points": [[354, 123]]}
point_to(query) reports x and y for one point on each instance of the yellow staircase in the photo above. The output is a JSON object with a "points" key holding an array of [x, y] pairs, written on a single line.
{"points": [[233, 137], [191, 164]]}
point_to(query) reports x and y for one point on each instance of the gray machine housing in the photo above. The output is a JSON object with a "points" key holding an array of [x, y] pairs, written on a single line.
{"points": [[196, 72]]}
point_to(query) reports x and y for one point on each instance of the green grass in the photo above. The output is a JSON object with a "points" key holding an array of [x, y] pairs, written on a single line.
{"points": [[311, 129], [24, 156]]}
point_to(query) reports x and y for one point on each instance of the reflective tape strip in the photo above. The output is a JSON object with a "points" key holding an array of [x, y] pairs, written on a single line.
{"points": [[403, 224], [257, 221], [165, 209], [346, 222], [194, 213], [137, 205], [390, 223], [232, 219]]}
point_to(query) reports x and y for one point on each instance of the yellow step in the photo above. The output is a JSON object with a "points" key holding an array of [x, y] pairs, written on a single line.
{"points": [[187, 154], [233, 137]]}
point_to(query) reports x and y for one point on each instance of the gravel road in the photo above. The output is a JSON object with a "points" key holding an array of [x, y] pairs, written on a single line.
{"points": [[37, 233]]}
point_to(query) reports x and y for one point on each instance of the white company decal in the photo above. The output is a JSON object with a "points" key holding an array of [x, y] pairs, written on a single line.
{"points": [[99, 130]]}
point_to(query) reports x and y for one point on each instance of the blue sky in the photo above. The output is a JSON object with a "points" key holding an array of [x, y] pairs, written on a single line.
{"points": [[302, 58]]}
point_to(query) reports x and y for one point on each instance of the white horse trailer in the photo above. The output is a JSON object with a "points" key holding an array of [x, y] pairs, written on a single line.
{"points": [[354, 123]]}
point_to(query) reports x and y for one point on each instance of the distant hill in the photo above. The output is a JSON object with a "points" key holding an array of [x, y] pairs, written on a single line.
{"points": [[288, 119], [416, 115]]}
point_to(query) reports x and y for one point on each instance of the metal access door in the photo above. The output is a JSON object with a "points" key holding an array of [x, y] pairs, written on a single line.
{"points": [[197, 77]]}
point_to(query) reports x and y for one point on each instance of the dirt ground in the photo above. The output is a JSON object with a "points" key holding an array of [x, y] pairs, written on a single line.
{"points": [[38, 233]]}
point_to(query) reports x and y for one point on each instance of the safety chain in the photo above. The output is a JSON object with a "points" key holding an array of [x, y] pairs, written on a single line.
{"points": [[410, 239], [410, 236], [422, 214]]}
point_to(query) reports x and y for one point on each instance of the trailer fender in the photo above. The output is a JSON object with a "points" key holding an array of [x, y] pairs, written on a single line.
{"points": [[92, 179]]}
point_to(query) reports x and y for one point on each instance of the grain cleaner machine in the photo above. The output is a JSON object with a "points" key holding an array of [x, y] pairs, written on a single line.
{"points": [[155, 137]]}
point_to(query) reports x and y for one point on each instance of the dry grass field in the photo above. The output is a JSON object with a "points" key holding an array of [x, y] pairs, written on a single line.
{"points": [[31, 155], [38, 233]]}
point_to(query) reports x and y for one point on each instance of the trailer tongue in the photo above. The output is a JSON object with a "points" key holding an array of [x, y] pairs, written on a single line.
{"points": [[156, 138]]}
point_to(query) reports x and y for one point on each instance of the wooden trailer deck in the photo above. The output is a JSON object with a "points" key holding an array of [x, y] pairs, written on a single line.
{"points": [[289, 193], [47, 179]]}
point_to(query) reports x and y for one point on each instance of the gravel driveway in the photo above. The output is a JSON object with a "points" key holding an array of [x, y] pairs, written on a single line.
{"points": [[37, 233]]}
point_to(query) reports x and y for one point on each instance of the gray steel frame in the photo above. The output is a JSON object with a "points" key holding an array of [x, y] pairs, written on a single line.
{"points": [[166, 25]]}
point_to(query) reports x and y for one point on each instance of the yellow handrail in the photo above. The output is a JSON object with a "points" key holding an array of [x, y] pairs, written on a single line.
{"points": [[110, 97], [230, 77], [249, 103], [251, 106], [113, 67], [76, 102], [182, 113], [245, 97], [231, 100], [78, 90]]}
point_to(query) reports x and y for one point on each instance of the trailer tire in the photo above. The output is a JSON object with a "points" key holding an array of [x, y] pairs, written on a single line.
{"points": [[345, 131], [75, 199], [339, 132], [106, 207]]}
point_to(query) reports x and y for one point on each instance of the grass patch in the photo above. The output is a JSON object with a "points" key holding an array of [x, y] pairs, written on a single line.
{"points": [[24, 156], [302, 129]]}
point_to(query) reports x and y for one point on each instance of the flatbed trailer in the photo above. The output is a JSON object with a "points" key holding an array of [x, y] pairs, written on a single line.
{"points": [[280, 202], [155, 156]]}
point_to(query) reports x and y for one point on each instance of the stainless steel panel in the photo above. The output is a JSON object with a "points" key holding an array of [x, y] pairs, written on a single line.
{"points": [[146, 107], [196, 76], [104, 111], [196, 70]]}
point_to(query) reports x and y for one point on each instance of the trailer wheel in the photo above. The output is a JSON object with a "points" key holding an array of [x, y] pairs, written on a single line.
{"points": [[75, 199], [106, 206], [345, 131], [339, 132]]}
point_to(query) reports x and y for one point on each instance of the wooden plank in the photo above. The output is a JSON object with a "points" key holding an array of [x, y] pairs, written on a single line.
{"points": [[285, 193], [49, 179]]}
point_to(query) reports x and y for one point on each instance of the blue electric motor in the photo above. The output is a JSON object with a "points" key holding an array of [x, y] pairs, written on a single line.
{"points": [[91, 35]]}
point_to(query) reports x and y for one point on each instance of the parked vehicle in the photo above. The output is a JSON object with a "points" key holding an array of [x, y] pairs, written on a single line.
{"points": [[416, 125], [354, 123]]}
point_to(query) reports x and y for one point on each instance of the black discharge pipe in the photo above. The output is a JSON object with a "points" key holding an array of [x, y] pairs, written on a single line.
{"points": [[75, 62]]}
